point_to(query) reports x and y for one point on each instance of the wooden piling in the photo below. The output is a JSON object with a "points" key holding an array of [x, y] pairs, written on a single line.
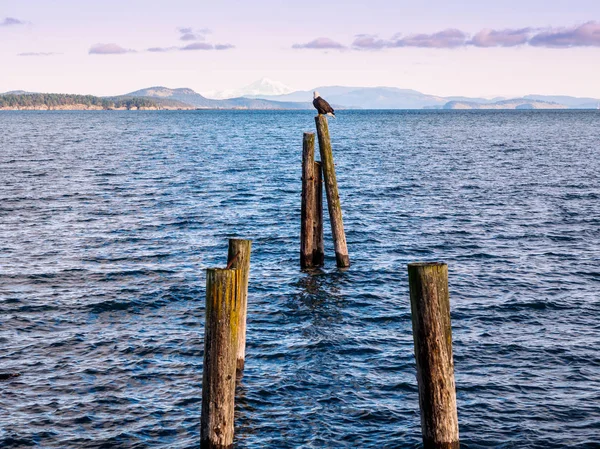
{"points": [[308, 208], [223, 294], [432, 334], [318, 243], [239, 257], [333, 197]]}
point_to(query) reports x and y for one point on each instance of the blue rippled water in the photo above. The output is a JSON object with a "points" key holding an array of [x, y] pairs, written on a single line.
{"points": [[108, 220]]}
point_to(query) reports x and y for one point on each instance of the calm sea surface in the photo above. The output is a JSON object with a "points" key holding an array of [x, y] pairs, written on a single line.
{"points": [[109, 219]]}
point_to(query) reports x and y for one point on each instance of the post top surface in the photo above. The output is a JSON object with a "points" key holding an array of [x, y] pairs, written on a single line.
{"points": [[426, 264]]}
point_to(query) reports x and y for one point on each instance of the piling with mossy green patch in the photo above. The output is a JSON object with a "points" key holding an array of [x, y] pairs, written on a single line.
{"points": [[239, 257], [221, 331]]}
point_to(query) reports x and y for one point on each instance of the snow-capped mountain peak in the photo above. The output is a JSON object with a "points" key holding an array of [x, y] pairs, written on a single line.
{"points": [[262, 87]]}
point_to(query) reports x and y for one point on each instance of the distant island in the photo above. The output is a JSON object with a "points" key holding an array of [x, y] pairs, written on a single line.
{"points": [[154, 98], [41, 102], [516, 103], [341, 97]]}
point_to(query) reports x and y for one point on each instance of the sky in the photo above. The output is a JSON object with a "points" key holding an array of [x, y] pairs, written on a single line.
{"points": [[440, 47]]}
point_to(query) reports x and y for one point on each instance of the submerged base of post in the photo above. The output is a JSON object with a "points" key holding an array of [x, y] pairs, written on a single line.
{"points": [[208, 445], [342, 260], [430, 444]]}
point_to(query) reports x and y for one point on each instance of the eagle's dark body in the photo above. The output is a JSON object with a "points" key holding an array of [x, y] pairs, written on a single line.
{"points": [[323, 107]]}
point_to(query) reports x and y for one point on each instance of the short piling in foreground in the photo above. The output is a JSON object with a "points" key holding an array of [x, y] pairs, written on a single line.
{"points": [[430, 309], [333, 197], [239, 257], [311, 215], [223, 294]]}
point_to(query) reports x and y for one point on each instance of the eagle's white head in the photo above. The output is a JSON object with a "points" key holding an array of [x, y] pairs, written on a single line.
{"points": [[316, 95]]}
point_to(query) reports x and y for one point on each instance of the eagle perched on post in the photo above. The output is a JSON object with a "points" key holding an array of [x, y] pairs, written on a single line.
{"points": [[322, 107]]}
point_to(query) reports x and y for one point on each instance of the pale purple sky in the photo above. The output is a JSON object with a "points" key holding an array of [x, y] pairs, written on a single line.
{"points": [[476, 48]]}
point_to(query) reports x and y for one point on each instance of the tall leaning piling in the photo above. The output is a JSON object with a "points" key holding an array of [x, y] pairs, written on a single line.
{"points": [[223, 301], [239, 257], [331, 189], [432, 334]]}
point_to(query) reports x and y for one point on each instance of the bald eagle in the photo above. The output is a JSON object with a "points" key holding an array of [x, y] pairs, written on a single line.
{"points": [[321, 105]]}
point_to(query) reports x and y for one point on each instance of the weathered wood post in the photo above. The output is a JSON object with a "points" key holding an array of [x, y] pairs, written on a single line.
{"points": [[223, 292], [432, 334], [309, 197], [333, 197], [318, 245], [311, 217], [239, 257]]}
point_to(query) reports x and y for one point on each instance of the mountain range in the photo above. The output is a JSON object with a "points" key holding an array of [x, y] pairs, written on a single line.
{"points": [[362, 98], [269, 95], [195, 100]]}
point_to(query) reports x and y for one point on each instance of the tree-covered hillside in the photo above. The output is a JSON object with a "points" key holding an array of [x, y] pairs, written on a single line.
{"points": [[60, 100]]}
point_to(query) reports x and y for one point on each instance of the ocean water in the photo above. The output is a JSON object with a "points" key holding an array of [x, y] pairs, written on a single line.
{"points": [[109, 219]]}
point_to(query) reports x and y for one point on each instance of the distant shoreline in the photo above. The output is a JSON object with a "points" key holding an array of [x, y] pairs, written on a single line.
{"points": [[84, 108]]}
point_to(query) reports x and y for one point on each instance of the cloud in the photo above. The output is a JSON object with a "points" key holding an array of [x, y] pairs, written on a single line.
{"points": [[449, 38], [37, 54], [108, 49], [321, 43], [195, 45], [501, 38], [197, 40], [198, 46], [161, 49], [369, 42], [11, 21], [585, 35], [189, 37], [189, 34], [191, 47]]}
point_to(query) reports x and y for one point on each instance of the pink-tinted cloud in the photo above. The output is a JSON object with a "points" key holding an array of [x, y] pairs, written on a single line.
{"points": [[198, 46], [501, 38], [224, 46], [11, 21], [197, 38], [586, 35], [369, 42], [321, 43], [37, 54], [189, 34], [108, 49], [449, 38], [188, 37], [161, 49]]}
